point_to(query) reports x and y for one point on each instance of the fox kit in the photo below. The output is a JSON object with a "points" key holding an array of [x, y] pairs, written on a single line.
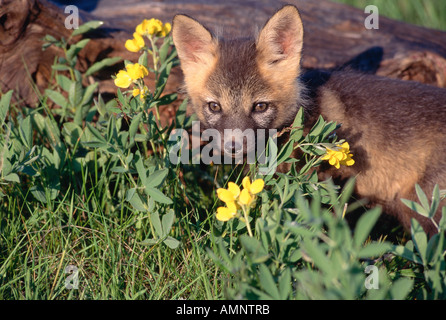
{"points": [[396, 129]]}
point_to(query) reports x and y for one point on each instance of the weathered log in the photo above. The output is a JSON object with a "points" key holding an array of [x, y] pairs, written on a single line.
{"points": [[334, 35]]}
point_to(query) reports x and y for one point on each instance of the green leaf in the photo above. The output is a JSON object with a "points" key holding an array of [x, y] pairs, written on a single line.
{"points": [[422, 197], [134, 126], [64, 82], [436, 279], [96, 133], [87, 27], [156, 222], [134, 199], [285, 152], [347, 191], [254, 249], [5, 100], [180, 115], [297, 126], [143, 59], [119, 170], [60, 67], [442, 224], [26, 132], [299, 119], [75, 94], [419, 239], [167, 99], [401, 288], [149, 242], [29, 158], [164, 51], [158, 196], [269, 168], [435, 202], [167, 221], [434, 248], [415, 207], [157, 178], [95, 144], [57, 98], [162, 81], [38, 193], [121, 98], [12, 177], [267, 282], [364, 226], [317, 254], [49, 38], [140, 168], [88, 94], [172, 243], [101, 106], [406, 253], [299, 230], [51, 129], [285, 284], [76, 48], [72, 133], [101, 65], [112, 131], [374, 249], [318, 127]]}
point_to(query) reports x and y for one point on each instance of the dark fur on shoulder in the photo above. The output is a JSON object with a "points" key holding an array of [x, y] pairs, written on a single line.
{"points": [[396, 130]]}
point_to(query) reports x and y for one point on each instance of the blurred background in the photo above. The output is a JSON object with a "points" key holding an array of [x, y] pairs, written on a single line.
{"points": [[427, 13]]}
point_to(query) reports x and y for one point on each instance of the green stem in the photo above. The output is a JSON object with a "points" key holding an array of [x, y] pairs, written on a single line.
{"points": [[154, 57], [246, 215], [73, 78], [158, 250]]}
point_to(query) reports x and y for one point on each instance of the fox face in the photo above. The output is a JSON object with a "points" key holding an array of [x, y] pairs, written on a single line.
{"points": [[395, 128], [239, 84]]}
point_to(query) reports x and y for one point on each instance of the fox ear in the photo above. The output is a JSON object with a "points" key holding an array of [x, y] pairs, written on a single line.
{"points": [[194, 43], [279, 44]]}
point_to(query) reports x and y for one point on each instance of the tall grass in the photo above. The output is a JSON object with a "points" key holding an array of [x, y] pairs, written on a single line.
{"points": [[38, 243], [427, 13]]}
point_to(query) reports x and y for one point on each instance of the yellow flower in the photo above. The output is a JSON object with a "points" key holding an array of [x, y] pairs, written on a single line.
{"points": [[165, 30], [245, 197], [228, 212], [123, 79], [149, 27], [234, 198], [153, 27], [255, 187], [229, 195], [133, 72], [340, 156], [135, 44], [136, 71], [142, 93]]}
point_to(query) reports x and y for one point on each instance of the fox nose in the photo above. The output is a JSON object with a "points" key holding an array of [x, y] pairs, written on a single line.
{"points": [[233, 147]]}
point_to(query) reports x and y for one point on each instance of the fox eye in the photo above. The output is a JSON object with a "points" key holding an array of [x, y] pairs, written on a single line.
{"points": [[214, 106], [260, 107]]}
